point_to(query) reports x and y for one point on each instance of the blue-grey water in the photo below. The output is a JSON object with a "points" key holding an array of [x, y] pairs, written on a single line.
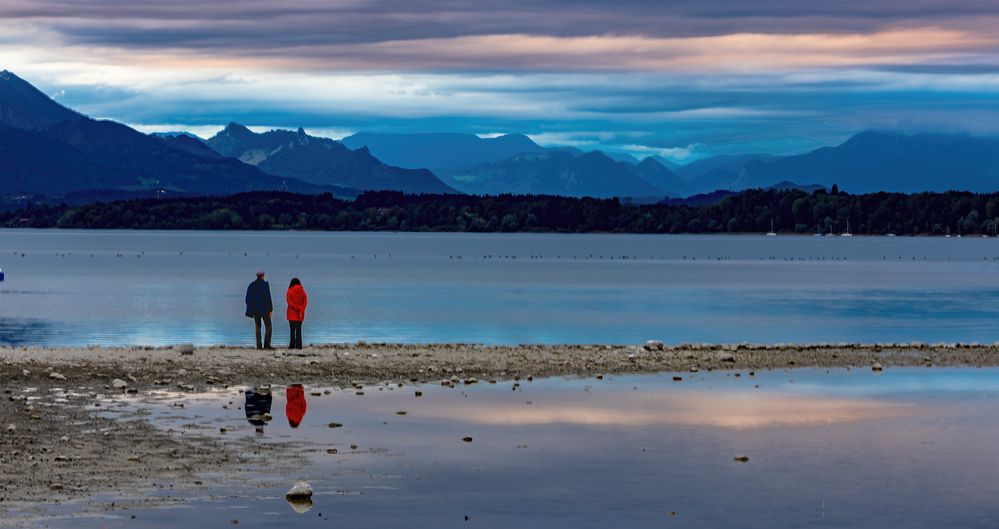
{"points": [[149, 288], [912, 448]]}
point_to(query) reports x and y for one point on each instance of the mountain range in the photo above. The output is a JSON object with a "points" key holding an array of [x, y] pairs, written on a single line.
{"points": [[320, 161], [887, 161], [513, 163], [49, 150]]}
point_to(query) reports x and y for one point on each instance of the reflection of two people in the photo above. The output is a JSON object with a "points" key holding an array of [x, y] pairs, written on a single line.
{"points": [[258, 406], [258, 413]]}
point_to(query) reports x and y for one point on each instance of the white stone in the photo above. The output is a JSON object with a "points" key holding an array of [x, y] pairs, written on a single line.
{"points": [[57, 376], [119, 384], [300, 491]]}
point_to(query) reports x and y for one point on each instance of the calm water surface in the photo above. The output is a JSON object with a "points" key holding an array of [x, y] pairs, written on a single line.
{"points": [[148, 288], [911, 448]]}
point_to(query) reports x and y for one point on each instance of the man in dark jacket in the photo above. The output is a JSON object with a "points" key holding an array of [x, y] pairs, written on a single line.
{"points": [[259, 307]]}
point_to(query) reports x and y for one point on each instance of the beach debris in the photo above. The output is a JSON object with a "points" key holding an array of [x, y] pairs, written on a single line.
{"points": [[300, 491], [677, 378], [56, 486], [25, 372], [725, 357], [331, 450], [119, 384], [186, 348], [400, 412], [877, 367], [335, 425], [466, 439], [57, 376], [742, 458], [419, 393], [11, 427], [654, 345]]}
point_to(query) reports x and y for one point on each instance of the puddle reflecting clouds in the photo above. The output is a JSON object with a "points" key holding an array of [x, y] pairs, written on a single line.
{"points": [[908, 448]]}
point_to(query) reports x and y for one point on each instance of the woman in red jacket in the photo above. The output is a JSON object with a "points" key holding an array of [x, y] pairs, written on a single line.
{"points": [[297, 301]]}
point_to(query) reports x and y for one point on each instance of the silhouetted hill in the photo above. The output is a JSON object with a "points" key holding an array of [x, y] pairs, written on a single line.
{"points": [[321, 161], [556, 173], [25, 107], [889, 161], [655, 173], [442, 153], [189, 143], [33, 163], [729, 163]]}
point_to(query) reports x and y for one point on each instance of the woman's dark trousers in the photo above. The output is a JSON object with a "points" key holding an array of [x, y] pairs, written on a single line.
{"points": [[296, 334]]}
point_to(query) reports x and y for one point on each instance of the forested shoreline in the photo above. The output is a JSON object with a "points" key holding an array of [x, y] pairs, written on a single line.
{"points": [[791, 211]]}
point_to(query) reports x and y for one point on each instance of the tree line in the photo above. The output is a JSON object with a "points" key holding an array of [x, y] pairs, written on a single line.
{"points": [[791, 211]]}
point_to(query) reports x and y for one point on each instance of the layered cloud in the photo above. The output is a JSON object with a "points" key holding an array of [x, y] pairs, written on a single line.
{"points": [[634, 76]]}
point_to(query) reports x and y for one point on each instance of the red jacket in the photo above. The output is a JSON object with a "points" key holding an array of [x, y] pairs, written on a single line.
{"points": [[296, 405], [297, 301]]}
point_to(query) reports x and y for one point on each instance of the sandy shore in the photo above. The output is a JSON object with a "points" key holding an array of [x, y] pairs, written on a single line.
{"points": [[57, 446]]}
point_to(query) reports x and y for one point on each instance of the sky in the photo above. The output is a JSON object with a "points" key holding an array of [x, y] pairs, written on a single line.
{"points": [[683, 79]]}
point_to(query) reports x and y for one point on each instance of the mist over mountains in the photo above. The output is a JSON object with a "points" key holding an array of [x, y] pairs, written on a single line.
{"points": [[47, 149]]}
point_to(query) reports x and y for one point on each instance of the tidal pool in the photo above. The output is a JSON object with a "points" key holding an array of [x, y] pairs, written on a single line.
{"points": [[906, 448]]}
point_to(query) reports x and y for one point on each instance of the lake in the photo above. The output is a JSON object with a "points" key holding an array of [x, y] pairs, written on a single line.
{"points": [[154, 288], [911, 448]]}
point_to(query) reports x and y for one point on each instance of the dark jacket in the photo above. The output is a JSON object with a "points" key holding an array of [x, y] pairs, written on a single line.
{"points": [[258, 299]]}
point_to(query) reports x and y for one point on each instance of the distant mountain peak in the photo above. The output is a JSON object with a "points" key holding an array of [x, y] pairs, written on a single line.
{"points": [[234, 127], [321, 161], [25, 107]]}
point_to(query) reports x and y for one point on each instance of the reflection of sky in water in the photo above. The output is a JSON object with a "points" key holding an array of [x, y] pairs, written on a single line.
{"points": [[588, 453], [170, 287]]}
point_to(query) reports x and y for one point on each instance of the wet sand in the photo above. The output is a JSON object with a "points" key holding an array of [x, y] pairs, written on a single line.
{"points": [[58, 446]]}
